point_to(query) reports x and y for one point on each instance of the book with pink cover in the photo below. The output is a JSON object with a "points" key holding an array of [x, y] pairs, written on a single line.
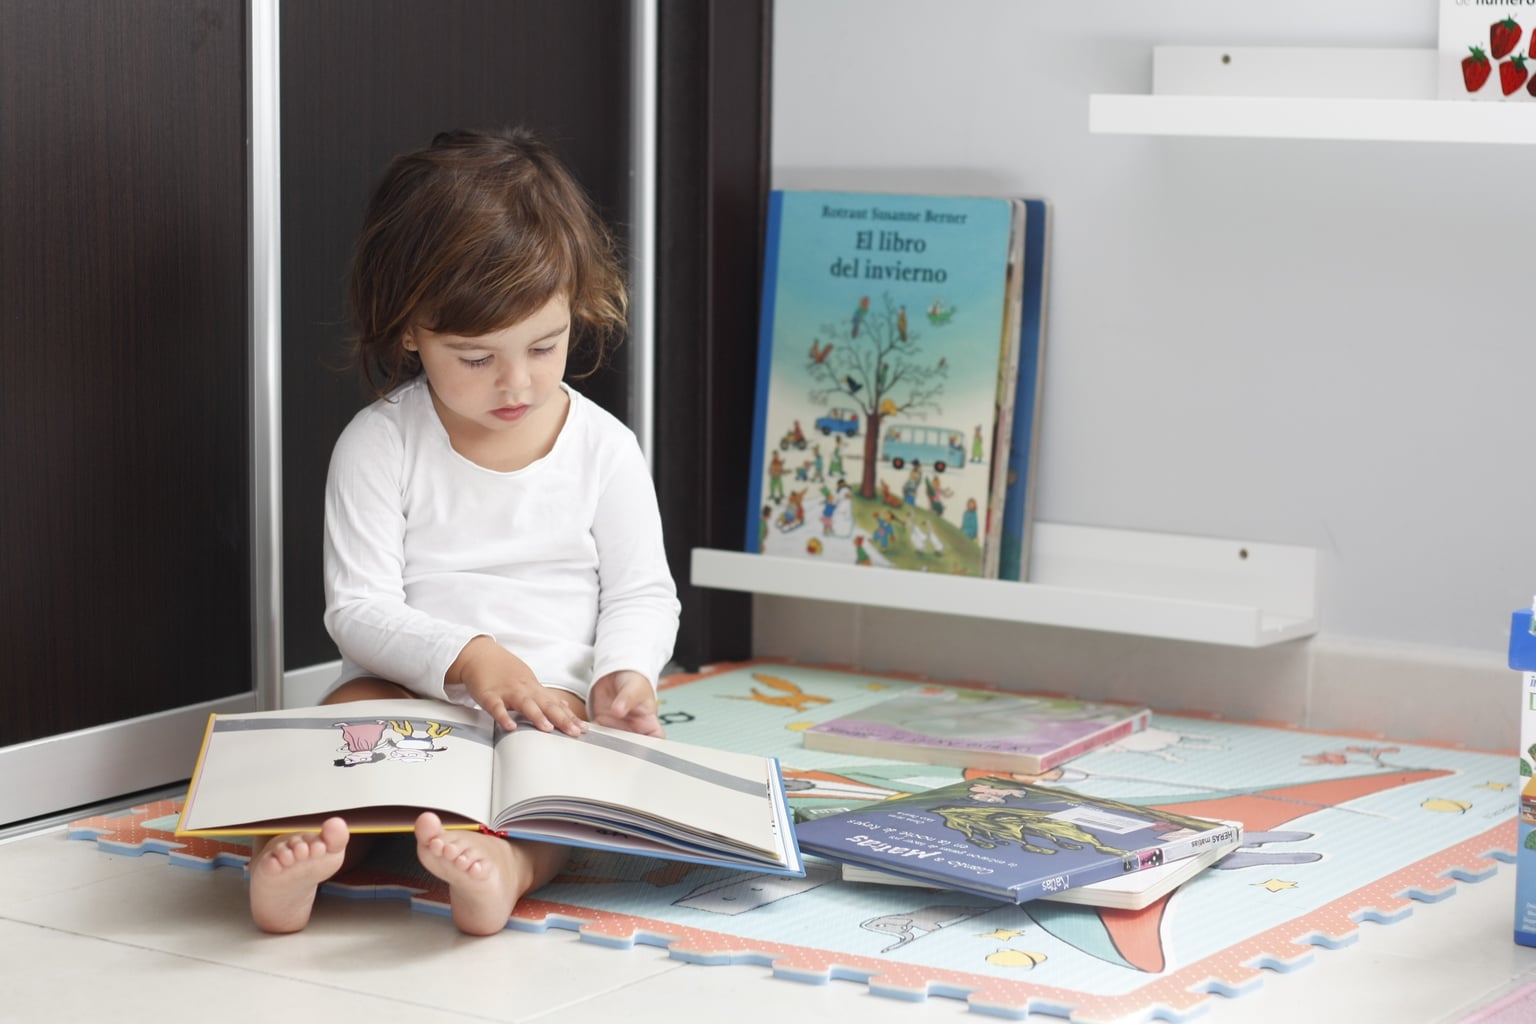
{"points": [[1009, 732]]}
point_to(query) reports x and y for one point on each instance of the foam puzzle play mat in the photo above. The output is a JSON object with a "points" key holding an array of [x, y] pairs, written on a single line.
{"points": [[1339, 830]]}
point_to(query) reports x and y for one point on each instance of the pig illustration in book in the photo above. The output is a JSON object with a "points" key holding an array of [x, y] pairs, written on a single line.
{"points": [[358, 743], [366, 742]]}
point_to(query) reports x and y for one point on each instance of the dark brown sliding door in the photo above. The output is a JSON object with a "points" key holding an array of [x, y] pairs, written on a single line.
{"points": [[124, 495]]}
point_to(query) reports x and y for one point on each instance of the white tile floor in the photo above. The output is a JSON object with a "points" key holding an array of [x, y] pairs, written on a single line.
{"points": [[86, 935]]}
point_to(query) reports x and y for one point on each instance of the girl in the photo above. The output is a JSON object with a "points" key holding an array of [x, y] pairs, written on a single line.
{"points": [[492, 538]]}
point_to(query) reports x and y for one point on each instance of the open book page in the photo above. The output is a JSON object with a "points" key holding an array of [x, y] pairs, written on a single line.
{"points": [[277, 770], [658, 786]]}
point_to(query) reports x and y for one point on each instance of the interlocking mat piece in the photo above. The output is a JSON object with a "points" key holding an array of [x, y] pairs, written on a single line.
{"points": [[1340, 829]]}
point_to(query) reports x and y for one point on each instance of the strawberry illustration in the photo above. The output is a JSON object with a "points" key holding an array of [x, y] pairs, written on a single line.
{"points": [[1512, 74], [1475, 69], [1503, 37]]}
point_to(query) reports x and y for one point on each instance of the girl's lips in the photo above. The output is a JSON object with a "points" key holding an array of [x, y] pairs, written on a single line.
{"points": [[509, 413]]}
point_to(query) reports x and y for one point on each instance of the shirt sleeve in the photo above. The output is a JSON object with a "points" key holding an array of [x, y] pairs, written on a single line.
{"points": [[637, 613], [365, 610]]}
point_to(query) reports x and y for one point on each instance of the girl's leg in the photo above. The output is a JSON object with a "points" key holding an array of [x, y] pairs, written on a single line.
{"points": [[286, 870], [486, 874]]}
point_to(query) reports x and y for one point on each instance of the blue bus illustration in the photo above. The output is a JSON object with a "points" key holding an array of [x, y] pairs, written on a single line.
{"points": [[940, 447]]}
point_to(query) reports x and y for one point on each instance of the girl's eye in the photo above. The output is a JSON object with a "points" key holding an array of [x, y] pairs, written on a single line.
{"points": [[544, 351], [482, 361]]}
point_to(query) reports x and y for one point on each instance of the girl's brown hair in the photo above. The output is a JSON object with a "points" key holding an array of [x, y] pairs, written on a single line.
{"points": [[471, 235]]}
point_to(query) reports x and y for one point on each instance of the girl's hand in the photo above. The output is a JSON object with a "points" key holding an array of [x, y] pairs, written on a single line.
{"points": [[625, 700], [502, 683]]}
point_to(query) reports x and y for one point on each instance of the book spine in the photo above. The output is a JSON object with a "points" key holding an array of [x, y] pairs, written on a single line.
{"points": [[764, 364], [1135, 860], [1120, 730]]}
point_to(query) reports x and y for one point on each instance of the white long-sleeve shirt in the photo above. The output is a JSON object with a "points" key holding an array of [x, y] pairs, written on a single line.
{"points": [[560, 562]]}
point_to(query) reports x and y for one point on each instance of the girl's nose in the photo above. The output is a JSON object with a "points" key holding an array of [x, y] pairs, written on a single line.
{"points": [[514, 375]]}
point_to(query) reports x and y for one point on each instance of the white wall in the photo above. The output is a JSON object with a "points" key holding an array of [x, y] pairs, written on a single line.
{"points": [[1316, 343]]}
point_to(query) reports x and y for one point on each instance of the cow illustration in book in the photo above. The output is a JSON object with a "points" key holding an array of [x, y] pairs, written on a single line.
{"points": [[418, 742]]}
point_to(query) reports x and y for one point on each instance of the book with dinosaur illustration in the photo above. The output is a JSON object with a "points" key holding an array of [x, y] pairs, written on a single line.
{"points": [[966, 728], [1011, 841], [887, 348], [378, 764], [1133, 891]]}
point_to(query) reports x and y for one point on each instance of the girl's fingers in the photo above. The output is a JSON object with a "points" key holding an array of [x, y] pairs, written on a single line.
{"points": [[568, 721], [499, 713], [535, 715]]}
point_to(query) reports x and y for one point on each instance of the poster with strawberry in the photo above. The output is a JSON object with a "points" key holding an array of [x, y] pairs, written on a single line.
{"points": [[1488, 50]]}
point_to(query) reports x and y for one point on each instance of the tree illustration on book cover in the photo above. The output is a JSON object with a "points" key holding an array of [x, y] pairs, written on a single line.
{"points": [[878, 377]]}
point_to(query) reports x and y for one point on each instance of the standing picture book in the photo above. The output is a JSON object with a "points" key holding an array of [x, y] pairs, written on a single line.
{"points": [[378, 764], [1486, 52], [1010, 841], [1017, 518], [888, 330], [1134, 891], [1017, 733]]}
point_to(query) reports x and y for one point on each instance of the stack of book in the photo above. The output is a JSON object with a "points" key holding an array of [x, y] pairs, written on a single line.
{"points": [[898, 381], [1001, 837]]}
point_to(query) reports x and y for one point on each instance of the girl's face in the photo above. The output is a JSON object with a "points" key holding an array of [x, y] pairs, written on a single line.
{"points": [[498, 394]]}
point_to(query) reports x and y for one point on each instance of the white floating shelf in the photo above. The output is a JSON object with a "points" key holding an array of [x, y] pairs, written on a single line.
{"points": [[1118, 581], [1343, 94]]}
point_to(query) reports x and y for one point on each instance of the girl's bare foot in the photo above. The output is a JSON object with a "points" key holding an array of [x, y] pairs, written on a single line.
{"points": [[485, 874], [287, 872]]}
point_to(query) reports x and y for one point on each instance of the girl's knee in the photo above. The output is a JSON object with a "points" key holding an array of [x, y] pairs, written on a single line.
{"points": [[368, 688]]}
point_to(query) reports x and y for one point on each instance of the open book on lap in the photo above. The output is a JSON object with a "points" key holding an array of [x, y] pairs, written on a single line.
{"points": [[378, 764]]}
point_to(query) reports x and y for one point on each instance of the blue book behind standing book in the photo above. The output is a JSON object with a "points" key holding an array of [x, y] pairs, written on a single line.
{"points": [[1009, 840]]}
